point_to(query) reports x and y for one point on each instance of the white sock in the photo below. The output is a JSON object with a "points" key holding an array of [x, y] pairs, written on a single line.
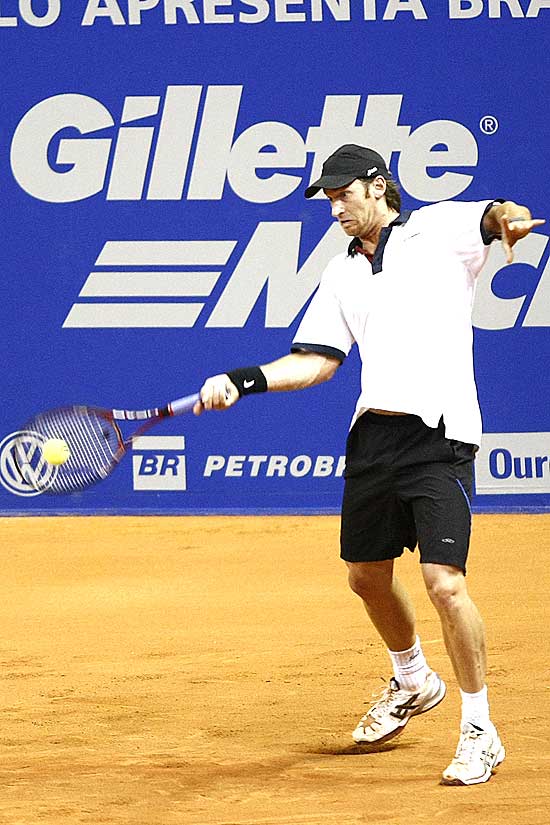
{"points": [[409, 666], [475, 709]]}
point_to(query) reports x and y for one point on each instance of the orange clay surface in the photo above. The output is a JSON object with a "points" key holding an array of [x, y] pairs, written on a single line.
{"points": [[208, 671]]}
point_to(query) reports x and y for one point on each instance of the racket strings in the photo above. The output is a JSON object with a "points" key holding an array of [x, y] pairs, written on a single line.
{"points": [[94, 444]]}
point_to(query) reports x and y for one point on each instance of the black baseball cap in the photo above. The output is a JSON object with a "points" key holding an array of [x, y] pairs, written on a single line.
{"points": [[345, 165]]}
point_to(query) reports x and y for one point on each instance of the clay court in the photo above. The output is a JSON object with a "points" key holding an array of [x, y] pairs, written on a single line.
{"points": [[208, 671]]}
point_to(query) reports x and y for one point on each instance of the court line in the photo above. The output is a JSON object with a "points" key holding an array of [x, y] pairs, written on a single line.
{"points": [[284, 819]]}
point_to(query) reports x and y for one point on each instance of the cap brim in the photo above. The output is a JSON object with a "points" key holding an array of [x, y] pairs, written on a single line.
{"points": [[328, 182]]}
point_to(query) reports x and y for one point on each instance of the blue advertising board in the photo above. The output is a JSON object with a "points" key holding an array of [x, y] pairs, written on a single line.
{"points": [[153, 161]]}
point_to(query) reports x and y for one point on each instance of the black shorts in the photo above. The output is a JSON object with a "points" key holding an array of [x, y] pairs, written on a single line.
{"points": [[406, 484]]}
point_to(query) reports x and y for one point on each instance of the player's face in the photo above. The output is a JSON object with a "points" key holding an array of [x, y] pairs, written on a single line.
{"points": [[354, 208]]}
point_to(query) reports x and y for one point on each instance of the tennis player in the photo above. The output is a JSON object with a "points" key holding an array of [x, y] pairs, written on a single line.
{"points": [[403, 293]]}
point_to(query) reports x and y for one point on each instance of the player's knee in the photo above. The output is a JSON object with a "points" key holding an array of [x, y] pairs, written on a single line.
{"points": [[357, 582], [366, 581], [446, 592]]}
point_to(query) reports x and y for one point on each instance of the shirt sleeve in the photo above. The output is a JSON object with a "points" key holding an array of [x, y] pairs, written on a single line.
{"points": [[459, 224], [323, 328]]}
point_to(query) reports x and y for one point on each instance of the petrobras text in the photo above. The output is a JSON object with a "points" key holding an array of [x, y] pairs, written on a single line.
{"points": [[172, 158], [155, 284], [274, 466], [513, 463], [250, 12]]}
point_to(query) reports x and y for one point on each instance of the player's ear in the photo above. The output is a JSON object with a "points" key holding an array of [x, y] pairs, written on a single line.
{"points": [[378, 187]]}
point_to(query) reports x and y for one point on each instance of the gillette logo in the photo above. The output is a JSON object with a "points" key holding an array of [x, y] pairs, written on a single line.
{"points": [[69, 147]]}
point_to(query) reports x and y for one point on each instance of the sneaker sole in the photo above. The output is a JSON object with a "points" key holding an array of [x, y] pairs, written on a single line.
{"points": [[432, 703], [458, 783]]}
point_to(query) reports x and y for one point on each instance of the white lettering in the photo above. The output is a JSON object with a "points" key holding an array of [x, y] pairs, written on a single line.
{"points": [[29, 16], [262, 11], [39, 21], [493, 312], [463, 9], [246, 157], [256, 462], [259, 273], [369, 10], [187, 6], [287, 289], [6, 22], [219, 155], [277, 466], [324, 466], [283, 15], [280, 466], [214, 463], [132, 150], [110, 10], [235, 465], [339, 9], [214, 143], [513, 6], [379, 129], [177, 128], [136, 7], [535, 6], [211, 13], [414, 6], [88, 157], [229, 12], [300, 466], [538, 314], [420, 156]]}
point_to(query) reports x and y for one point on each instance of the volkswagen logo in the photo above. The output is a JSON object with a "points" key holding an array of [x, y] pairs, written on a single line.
{"points": [[23, 470]]}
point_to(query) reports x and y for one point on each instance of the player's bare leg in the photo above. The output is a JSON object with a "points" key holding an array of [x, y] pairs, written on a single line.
{"points": [[414, 689], [461, 623], [479, 748], [386, 601]]}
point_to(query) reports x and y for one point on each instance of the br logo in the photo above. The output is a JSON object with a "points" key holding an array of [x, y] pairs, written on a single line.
{"points": [[159, 463], [23, 470]]}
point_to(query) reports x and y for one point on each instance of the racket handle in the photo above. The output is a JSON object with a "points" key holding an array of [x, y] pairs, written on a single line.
{"points": [[183, 405]]}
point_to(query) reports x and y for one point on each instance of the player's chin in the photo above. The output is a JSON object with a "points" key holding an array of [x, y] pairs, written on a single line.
{"points": [[348, 227]]}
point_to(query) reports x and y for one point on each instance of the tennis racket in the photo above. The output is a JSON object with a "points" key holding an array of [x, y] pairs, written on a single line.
{"points": [[94, 439]]}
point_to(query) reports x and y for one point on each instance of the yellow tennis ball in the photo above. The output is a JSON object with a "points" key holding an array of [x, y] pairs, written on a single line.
{"points": [[56, 451]]}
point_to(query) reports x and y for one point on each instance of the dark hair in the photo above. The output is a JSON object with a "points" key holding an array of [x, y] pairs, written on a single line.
{"points": [[393, 195]]}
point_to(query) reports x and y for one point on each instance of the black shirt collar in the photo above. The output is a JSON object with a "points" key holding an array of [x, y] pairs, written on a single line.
{"points": [[356, 245]]}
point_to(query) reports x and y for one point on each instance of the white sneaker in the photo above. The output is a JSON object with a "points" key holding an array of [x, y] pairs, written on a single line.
{"points": [[478, 752], [391, 712]]}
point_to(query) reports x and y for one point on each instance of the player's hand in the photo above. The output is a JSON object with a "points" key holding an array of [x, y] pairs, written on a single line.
{"points": [[217, 393], [513, 228]]}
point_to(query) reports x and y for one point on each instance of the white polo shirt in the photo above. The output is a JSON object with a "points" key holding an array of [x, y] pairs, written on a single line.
{"points": [[410, 314]]}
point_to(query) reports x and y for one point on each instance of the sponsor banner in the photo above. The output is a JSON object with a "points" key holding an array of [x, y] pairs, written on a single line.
{"points": [[513, 464], [155, 230], [159, 463]]}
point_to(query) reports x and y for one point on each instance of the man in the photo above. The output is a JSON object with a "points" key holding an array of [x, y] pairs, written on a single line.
{"points": [[403, 293]]}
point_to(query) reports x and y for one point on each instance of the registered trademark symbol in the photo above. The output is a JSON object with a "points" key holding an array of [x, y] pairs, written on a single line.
{"points": [[488, 124]]}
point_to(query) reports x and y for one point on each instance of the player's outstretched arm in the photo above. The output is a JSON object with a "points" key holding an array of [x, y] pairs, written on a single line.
{"points": [[510, 222], [291, 372]]}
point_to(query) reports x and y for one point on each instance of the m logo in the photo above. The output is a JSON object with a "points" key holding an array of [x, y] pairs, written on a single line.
{"points": [[23, 470]]}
